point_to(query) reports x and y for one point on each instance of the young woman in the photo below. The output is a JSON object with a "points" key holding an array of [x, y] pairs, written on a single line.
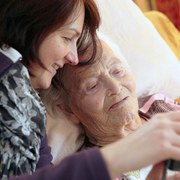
{"points": [[36, 39]]}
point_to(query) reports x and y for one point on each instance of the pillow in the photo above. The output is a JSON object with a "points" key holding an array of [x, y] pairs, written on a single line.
{"points": [[64, 137], [153, 63]]}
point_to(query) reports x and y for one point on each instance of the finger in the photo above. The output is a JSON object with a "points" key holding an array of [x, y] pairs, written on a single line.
{"points": [[175, 176], [174, 153], [156, 172], [174, 115]]}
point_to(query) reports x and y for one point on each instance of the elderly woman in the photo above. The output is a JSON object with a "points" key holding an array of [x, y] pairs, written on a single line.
{"points": [[101, 97]]}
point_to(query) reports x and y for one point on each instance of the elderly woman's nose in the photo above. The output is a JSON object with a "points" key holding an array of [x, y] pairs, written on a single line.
{"points": [[113, 87]]}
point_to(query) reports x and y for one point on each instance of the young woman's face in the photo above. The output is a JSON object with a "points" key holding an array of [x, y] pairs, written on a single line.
{"points": [[57, 49]]}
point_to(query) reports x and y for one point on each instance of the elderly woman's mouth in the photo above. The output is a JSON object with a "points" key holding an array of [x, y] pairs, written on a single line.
{"points": [[118, 104]]}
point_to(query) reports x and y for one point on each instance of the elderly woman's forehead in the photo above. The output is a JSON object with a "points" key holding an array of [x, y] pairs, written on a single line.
{"points": [[108, 55], [73, 73]]}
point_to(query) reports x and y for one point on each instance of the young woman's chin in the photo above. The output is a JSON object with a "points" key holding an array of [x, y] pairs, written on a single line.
{"points": [[42, 83], [46, 84]]}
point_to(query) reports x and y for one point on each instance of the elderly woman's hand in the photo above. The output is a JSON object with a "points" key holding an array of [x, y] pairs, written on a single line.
{"points": [[157, 173], [156, 141]]}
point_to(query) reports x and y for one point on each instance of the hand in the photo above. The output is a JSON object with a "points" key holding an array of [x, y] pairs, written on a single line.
{"points": [[156, 141], [157, 172]]}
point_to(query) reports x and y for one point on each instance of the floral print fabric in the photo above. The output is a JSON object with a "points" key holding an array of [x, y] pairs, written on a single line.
{"points": [[22, 123]]}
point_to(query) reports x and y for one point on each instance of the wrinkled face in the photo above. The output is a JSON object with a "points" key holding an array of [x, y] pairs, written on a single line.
{"points": [[102, 96], [57, 49]]}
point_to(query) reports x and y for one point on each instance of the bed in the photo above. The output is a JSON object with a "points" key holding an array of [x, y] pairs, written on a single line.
{"points": [[134, 36]]}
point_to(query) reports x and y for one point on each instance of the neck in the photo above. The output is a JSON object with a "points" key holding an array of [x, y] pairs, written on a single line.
{"points": [[115, 133]]}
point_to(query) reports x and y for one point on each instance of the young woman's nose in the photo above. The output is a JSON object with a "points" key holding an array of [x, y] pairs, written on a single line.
{"points": [[72, 57], [113, 87]]}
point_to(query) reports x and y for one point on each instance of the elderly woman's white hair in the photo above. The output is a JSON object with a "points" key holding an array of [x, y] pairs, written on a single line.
{"points": [[113, 46]]}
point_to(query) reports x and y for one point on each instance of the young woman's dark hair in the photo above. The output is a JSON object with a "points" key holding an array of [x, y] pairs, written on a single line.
{"points": [[25, 26]]}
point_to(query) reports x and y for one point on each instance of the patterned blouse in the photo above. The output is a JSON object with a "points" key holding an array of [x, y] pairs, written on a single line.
{"points": [[22, 118]]}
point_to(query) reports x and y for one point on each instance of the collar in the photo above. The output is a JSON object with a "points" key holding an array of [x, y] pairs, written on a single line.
{"points": [[11, 53]]}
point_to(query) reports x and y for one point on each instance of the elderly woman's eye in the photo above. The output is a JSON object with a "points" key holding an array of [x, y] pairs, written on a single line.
{"points": [[119, 72], [91, 87], [67, 39]]}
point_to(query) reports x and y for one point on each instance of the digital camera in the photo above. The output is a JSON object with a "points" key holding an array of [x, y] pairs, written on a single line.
{"points": [[173, 165]]}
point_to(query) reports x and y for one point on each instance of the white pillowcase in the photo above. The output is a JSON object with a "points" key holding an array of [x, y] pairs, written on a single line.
{"points": [[153, 63]]}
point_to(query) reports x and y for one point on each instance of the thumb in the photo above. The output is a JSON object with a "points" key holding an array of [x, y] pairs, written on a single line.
{"points": [[156, 172]]}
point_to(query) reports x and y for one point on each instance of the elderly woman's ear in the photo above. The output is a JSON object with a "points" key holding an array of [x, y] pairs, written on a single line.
{"points": [[68, 112]]}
